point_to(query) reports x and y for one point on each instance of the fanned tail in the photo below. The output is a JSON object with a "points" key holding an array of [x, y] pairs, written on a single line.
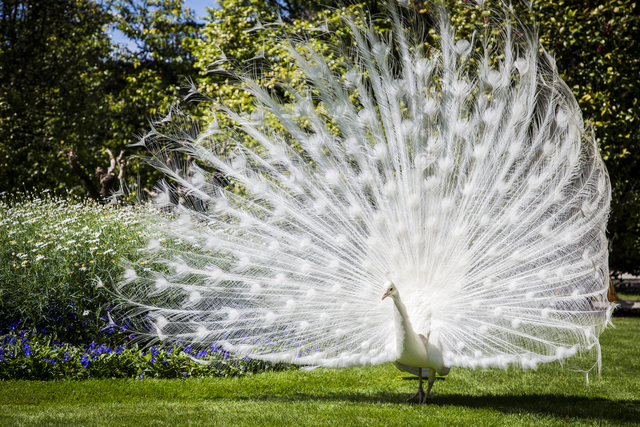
{"points": [[466, 176]]}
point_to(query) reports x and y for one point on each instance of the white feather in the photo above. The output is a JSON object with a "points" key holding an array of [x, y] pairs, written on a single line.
{"points": [[485, 202]]}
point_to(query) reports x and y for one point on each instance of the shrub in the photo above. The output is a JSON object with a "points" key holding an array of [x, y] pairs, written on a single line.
{"points": [[56, 254]]}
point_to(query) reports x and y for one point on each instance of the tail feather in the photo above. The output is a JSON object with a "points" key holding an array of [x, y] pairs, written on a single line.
{"points": [[471, 181]]}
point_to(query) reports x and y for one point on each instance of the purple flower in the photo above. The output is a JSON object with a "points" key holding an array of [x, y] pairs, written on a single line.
{"points": [[84, 360], [140, 376], [188, 349], [154, 351], [170, 350], [152, 360]]}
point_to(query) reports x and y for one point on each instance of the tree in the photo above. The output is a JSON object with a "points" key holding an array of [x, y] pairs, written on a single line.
{"points": [[597, 49], [52, 58], [151, 78], [594, 42], [72, 100]]}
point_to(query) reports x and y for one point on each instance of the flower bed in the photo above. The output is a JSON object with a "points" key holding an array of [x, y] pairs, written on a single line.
{"points": [[56, 255], [41, 357], [61, 257]]}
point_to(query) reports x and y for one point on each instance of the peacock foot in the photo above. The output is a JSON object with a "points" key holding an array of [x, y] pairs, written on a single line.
{"points": [[421, 395]]}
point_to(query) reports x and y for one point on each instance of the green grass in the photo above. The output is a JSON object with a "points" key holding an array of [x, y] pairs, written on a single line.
{"points": [[628, 296], [366, 396]]}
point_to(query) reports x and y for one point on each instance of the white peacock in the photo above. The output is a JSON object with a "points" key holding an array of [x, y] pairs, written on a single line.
{"points": [[464, 180]]}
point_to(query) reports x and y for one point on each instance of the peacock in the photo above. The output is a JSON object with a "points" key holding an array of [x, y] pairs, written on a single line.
{"points": [[431, 206]]}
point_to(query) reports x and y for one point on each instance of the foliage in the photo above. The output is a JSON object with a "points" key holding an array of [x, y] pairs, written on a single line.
{"points": [[153, 76], [53, 300], [52, 60], [72, 100], [56, 253], [548, 396], [598, 54], [249, 37], [41, 357], [594, 44], [66, 90], [597, 49]]}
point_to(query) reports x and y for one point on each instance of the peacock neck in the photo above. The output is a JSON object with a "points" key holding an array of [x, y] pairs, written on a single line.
{"points": [[404, 317]]}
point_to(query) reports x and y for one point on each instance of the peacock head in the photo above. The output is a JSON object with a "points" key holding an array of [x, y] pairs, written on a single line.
{"points": [[391, 291]]}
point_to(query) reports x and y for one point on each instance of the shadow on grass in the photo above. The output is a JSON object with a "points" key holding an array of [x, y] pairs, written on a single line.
{"points": [[554, 405]]}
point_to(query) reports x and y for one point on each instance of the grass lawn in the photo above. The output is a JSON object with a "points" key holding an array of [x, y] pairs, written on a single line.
{"points": [[366, 396], [628, 296]]}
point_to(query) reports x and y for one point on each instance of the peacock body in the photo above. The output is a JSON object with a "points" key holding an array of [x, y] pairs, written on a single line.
{"points": [[463, 176]]}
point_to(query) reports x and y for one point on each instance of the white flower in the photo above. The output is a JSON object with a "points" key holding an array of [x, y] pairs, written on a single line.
{"points": [[85, 313], [39, 257]]}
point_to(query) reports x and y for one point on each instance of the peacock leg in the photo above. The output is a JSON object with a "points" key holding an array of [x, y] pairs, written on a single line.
{"points": [[432, 379], [420, 393]]}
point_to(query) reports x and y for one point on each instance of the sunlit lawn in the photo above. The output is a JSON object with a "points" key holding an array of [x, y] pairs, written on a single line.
{"points": [[366, 396], [628, 296]]}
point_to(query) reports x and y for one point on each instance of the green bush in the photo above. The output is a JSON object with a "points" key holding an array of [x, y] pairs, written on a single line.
{"points": [[57, 257]]}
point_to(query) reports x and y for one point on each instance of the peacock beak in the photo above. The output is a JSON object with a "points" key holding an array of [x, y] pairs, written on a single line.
{"points": [[385, 295]]}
